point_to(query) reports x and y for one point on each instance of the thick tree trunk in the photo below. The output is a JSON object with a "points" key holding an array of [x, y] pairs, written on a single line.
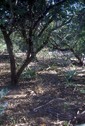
{"points": [[9, 45]]}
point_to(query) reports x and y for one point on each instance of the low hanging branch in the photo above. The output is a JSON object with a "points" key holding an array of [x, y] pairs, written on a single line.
{"points": [[44, 43], [46, 11], [44, 28], [56, 46], [68, 48]]}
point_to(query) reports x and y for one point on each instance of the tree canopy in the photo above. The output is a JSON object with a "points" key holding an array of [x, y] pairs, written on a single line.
{"points": [[71, 36], [34, 21]]}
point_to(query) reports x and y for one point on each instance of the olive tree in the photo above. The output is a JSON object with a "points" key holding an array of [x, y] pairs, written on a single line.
{"points": [[30, 19], [34, 21], [71, 37]]}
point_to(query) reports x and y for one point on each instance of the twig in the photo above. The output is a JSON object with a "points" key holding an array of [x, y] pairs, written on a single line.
{"points": [[39, 107]]}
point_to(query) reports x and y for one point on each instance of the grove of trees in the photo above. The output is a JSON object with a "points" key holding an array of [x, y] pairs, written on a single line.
{"points": [[36, 23], [71, 37]]}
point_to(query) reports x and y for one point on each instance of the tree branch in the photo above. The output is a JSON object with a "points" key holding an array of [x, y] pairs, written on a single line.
{"points": [[46, 11], [56, 46], [46, 25], [44, 43], [64, 23], [11, 8]]}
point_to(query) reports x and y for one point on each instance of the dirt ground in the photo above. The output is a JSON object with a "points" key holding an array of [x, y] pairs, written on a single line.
{"points": [[54, 97]]}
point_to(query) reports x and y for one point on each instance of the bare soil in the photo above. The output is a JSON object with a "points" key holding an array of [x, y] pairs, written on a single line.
{"points": [[49, 99]]}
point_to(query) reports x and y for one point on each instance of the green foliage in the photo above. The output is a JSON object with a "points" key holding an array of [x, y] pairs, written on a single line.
{"points": [[29, 73], [3, 106], [3, 92], [2, 47], [2, 43], [28, 25], [82, 91], [65, 123], [80, 45], [72, 35], [18, 42], [70, 74]]}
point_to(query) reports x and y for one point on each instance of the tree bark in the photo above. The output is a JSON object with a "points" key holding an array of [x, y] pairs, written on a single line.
{"points": [[56, 46], [29, 42], [77, 56], [16, 75], [9, 45]]}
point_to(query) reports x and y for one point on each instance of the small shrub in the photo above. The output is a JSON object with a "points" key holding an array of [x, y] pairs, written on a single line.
{"points": [[70, 74], [3, 106], [65, 123], [29, 73], [82, 91]]}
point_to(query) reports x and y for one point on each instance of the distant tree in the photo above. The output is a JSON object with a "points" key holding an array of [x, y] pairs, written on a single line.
{"points": [[71, 37]]}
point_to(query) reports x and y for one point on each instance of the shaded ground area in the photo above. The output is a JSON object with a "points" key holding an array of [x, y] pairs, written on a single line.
{"points": [[52, 98]]}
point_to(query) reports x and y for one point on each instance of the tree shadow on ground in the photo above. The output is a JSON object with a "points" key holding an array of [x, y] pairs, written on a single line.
{"points": [[52, 61], [45, 100]]}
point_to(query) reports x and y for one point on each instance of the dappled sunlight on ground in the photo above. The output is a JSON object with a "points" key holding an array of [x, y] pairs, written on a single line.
{"points": [[52, 98], [16, 96]]}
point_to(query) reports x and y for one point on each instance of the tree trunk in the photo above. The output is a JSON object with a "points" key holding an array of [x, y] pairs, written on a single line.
{"points": [[27, 61], [9, 45], [78, 58]]}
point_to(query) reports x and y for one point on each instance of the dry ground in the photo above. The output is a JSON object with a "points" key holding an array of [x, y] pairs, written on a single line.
{"points": [[49, 99]]}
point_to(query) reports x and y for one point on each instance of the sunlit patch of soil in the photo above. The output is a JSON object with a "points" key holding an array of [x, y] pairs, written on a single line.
{"points": [[48, 99]]}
